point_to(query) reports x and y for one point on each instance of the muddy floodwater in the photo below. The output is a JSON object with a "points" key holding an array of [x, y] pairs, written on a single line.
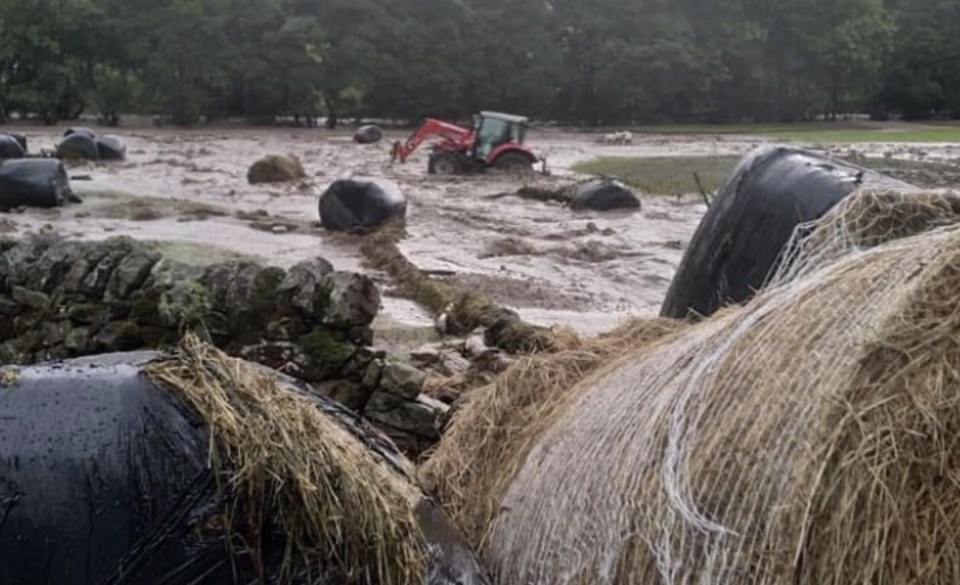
{"points": [[188, 189]]}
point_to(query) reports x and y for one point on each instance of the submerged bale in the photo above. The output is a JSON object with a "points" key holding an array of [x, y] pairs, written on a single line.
{"points": [[805, 438], [736, 245], [34, 182], [10, 147], [275, 168], [80, 130], [368, 134], [361, 202], [21, 139], [78, 146], [111, 147], [604, 195], [141, 468]]}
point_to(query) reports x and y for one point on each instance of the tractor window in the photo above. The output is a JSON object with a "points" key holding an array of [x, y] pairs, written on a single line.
{"points": [[492, 134]]}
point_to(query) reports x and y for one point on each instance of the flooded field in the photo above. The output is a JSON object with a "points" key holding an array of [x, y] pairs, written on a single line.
{"points": [[188, 188]]}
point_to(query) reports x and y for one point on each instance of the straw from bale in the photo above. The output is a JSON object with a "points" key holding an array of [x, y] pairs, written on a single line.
{"points": [[282, 462], [465, 310], [865, 219], [810, 437], [497, 425]]}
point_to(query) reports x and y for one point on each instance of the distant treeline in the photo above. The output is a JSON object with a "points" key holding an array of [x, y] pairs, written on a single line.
{"points": [[574, 61]]}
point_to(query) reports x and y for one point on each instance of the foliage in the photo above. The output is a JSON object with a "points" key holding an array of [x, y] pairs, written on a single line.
{"points": [[584, 61]]}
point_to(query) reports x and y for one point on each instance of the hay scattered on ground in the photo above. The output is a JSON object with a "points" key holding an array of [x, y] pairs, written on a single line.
{"points": [[276, 168], [464, 310], [810, 437], [287, 464], [491, 434]]}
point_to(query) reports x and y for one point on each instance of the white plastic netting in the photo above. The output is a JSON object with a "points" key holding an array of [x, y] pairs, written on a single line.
{"points": [[811, 437]]}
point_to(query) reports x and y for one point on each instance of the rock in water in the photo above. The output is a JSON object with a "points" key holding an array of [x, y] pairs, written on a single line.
{"points": [[10, 147], [361, 202], [738, 241], [78, 146], [111, 147], [275, 168], [34, 182], [368, 134], [603, 195]]}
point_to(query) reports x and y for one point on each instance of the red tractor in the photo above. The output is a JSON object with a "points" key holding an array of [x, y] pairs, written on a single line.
{"points": [[496, 141]]}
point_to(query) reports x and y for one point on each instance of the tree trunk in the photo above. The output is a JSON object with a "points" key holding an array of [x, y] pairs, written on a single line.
{"points": [[331, 111]]}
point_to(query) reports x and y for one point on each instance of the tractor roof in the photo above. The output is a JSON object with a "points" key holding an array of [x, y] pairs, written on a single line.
{"points": [[506, 117]]}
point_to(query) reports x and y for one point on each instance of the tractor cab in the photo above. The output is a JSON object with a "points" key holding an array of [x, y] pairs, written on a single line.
{"points": [[493, 129]]}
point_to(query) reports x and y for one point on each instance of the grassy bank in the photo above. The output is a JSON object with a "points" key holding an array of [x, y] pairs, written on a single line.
{"points": [[822, 132], [663, 175]]}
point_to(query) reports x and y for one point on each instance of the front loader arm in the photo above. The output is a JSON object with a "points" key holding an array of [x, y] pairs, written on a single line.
{"points": [[428, 129]]}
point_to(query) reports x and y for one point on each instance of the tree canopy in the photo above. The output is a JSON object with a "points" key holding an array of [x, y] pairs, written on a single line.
{"points": [[575, 61]]}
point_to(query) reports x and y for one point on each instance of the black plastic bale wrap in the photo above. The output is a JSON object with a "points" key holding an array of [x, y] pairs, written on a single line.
{"points": [[10, 147], [111, 147], [82, 130], [368, 134], [104, 479], [78, 147], [361, 202], [604, 195], [740, 238], [34, 182]]}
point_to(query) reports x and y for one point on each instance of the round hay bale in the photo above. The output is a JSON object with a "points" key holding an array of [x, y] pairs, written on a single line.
{"points": [[21, 140], [34, 182], [275, 168], [181, 454], [809, 437], [604, 195], [368, 134], [361, 203], [736, 245], [78, 146], [111, 147], [81, 130], [10, 147]]}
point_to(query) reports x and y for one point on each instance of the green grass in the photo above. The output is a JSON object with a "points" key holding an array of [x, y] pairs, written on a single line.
{"points": [[823, 132], [663, 175]]}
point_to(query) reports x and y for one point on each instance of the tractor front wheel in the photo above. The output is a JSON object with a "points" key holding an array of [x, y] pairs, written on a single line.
{"points": [[445, 163], [513, 162]]}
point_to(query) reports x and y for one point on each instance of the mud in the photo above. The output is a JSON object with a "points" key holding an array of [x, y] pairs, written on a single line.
{"points": [[587, 269]]}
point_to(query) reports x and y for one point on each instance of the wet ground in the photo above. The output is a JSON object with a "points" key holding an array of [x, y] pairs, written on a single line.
{"points": [[188, 188]]}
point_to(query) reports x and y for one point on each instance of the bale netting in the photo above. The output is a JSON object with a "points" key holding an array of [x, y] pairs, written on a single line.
{"points": [[604, 195], [810, 437], [361, 203], [497, 425], [275, 168], [193, 467], [739, 239], [34, 182]]}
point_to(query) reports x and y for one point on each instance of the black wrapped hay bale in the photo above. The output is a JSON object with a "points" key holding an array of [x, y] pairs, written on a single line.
{"points": [[361, 202], [739, 239], [604, 195], [78, 146], [10, 147], [34, 182], [111, 147], [106, 477], [81, 130], [368, 134]]}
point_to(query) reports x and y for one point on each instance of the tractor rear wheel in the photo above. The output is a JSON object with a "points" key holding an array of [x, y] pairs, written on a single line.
{"points": [[514, 162], [445, 163]]}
